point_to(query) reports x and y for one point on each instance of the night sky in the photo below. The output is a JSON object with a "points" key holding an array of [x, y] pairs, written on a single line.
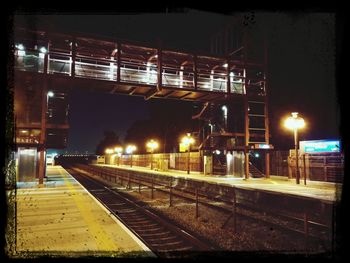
{"points": [[301, 68]]}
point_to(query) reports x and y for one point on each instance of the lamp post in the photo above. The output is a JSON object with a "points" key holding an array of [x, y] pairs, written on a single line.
{"points": [[119, 151], [187, 141], [152, 145], [294, 123], [109, 151], [129, 150]]}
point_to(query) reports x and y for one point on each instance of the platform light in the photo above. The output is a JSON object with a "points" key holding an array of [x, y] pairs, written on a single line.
{"points": [[20, 47], [217, 152], [295, 123], [152, 145], [225, 65], [119, 151], [257, 155], [109, 151], [43, 50], [129, 150], [20, 50], [50, 94], [224, 109], [187, 141]]}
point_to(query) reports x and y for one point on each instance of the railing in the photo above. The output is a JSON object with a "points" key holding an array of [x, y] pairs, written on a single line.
{"points": [[86, 57], [103, 69]]}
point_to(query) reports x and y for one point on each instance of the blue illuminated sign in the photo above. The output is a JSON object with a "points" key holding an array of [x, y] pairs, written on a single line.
{"points": [[320, 146]]}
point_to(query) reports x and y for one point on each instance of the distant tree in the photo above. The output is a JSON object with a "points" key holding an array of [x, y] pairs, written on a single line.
{"points": [[168, 121], [110, 140]]}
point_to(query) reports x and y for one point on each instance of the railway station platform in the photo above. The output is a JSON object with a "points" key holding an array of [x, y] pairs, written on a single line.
{"points": [[63, 219], [324, 191]]}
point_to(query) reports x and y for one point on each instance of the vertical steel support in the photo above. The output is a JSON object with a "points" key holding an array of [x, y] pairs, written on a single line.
{"points": [[43, 131], [188, 159], [41, 166], [246, 138], [197, 208], [195, 76], [118, 62], [246, 117], [296, 155], [325, 169], [160, 68], [266, 111], [228, 90], [267, 138], [46, 58], [304, 168], [74, 54]]}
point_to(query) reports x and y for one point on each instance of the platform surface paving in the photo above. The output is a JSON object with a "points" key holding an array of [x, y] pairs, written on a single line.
{"points": [[62, 218]]}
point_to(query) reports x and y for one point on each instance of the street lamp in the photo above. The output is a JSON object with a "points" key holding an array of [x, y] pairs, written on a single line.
{"points": [[119, 151], [152, 145], [294, 123], [109, 151], [129, 150], [187, 141]]}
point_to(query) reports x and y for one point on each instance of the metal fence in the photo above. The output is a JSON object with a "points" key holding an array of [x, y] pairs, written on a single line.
{"points": [[161, 161], [317, 167]]}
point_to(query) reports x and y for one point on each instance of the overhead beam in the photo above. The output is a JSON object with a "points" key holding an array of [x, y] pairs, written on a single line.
{"points": [[184, 96], [133, 89], [205, 95], [151, 94], [114, 89], [168, 94]]}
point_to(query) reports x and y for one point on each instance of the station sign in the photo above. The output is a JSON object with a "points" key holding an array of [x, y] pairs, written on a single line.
{"points": [[319, 146], [262, 146]]}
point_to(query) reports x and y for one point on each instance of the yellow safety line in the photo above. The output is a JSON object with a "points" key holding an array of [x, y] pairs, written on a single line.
{"points": [[102, 239]]}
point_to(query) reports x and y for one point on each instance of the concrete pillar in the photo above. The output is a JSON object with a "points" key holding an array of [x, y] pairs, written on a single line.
{"points": [[267, 165]]}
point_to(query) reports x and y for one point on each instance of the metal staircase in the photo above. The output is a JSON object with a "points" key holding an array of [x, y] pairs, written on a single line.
{"points": [[256, 108], [255, 172]]}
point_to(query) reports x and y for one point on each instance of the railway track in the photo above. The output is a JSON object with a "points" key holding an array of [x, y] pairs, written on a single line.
{"points": [[163, 238], [303, 227]]}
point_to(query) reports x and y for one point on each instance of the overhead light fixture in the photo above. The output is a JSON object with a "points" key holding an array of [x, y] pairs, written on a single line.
{"points": [[43, 50]]}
